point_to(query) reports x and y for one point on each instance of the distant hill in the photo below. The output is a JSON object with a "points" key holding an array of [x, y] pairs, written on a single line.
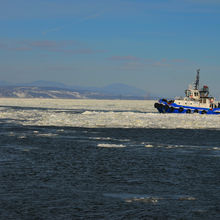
{"points": [[38, 92], [48, 89]]}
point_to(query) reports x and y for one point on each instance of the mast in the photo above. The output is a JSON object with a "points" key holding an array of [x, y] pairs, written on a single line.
{"points": [[196, 83]]}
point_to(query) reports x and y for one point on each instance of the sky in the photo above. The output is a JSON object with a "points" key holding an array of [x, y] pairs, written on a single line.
{"points": [[155, 45]]}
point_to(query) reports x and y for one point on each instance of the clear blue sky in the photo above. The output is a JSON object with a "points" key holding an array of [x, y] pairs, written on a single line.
{"points": [[155, 45]]}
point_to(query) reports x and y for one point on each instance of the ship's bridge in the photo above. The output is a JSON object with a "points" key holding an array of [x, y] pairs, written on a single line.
{"points": [[193, 94]]}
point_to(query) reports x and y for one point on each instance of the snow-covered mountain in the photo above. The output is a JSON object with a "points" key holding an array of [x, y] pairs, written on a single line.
{"points": [[47, 89], [38, 92]]}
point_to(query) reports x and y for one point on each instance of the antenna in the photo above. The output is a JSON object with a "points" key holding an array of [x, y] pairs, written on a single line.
{"points": [[196, 83]]}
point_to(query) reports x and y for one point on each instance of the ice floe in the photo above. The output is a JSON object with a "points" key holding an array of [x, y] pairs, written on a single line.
{"points": [[99, 113]]}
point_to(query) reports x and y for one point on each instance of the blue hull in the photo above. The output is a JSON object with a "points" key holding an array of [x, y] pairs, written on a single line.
{"points": [[163, 106]]}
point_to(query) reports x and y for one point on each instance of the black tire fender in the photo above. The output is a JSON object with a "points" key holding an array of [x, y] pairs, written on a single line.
{"points": [[188, 111], [181, 109], [171, 109], [156, 105]]}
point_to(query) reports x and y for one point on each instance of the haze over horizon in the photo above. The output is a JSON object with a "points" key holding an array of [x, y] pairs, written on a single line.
{"points": [[153, 45]]}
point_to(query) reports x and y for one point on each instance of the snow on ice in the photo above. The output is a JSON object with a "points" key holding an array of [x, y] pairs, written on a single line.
{"points": [[99, 113]]}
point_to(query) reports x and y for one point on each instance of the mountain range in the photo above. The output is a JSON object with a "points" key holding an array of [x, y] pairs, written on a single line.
{"points": [[49, 89]]}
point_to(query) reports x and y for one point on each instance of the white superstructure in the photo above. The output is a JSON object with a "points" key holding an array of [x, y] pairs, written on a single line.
{"points": [[196, 97]]}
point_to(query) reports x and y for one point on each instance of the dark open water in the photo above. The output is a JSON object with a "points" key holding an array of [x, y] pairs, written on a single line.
{"points": [[76, 173]]}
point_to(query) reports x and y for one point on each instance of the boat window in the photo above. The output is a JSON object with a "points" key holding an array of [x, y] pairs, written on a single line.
{"points": [[204, 100]]}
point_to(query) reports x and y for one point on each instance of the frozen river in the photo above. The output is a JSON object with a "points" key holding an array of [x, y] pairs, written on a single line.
{"points": [[102, 159], [99, 113]]}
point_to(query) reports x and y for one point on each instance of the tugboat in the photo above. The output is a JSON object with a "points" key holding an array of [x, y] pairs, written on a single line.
{"points": [[196, 101]]}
